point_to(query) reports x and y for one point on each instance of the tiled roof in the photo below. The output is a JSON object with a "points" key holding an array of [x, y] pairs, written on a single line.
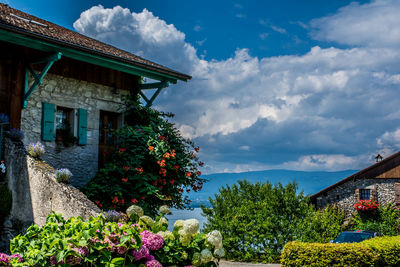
{"points": [[367, 173], [22, 23]]}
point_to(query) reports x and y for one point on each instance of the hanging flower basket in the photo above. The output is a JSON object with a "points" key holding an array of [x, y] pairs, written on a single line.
{"points": [[366, 206]]}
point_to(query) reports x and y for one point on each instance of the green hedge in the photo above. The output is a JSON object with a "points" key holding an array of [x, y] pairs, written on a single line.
{"points": [[381, 251]]}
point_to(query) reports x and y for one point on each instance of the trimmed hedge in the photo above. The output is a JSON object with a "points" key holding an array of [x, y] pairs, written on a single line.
{"points": [[381, 251]]}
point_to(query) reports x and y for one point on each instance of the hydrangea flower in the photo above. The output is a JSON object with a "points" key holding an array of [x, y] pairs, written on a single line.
{"points": [[184, 237], [153, 263], [112, 216], [191, 226], [206, 255], [35, 150], [166, 235], [152, 241], [63, 175], [16, 134], [215, 239], [4, 258], [163, 221], [164, 209], [219, 252], [141, 253], [138, 211], [147, 221], [178, 224], [196, 259]]}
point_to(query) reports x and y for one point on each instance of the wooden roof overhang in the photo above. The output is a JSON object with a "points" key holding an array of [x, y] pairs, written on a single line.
{"points": [[60, 46]]}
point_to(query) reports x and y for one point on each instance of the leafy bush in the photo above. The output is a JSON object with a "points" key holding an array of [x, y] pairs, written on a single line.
{"points": [[316, 254], [256, 220], [385, 220], [35, 150], [63, 175], [379, 251], [116, 243], [152, 166], [323, 225]]}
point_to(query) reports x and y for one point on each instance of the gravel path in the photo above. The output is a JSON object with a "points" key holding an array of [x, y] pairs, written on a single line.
{"points": [[245, 264]]}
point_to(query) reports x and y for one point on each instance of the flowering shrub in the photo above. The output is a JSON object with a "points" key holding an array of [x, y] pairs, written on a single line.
{"points": [[63, 175], [3, 118], [101, 243], [366, 205], [153, 165], [16, 134], [35, 150]]}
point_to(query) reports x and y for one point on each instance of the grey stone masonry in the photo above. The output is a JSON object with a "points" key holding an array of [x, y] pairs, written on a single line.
{"points": [[344, 195], [82, 161]]}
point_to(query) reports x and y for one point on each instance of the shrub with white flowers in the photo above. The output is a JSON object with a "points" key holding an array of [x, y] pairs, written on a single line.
{"points": [[35, 150], [63, 175]]}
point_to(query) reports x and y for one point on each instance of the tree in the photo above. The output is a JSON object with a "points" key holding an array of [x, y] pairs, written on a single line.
{"points": [[256, 220], [152, 165]]}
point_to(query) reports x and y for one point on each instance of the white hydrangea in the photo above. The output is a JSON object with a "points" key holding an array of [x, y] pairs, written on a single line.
{"points": [[135, 210], [167, 235], [162, 221], [215, 239], [191, 226], [184, 255], [178, 224], [219, 252], [164, 209], [196, 260], [206, 255], [147, 221], [184, 237]]}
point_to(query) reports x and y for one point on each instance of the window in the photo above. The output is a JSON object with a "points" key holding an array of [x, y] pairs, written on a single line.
{"points": [[365, 194], [64, 118]]}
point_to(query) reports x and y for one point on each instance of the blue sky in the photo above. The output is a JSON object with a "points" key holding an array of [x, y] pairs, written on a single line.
{"points": [[305, 85]]}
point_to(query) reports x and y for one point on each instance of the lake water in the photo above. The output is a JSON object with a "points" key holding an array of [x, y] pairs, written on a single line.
{"points": [[184, 215]]}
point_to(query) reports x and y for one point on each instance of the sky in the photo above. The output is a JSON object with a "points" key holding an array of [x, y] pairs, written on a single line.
{"points": [[301, 85]]}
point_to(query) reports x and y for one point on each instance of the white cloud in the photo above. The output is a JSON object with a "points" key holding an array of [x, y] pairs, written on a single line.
{"points": [[374, 24], [240, 16], [324, 109], [278, 29], [197, 28], [263, 35]]}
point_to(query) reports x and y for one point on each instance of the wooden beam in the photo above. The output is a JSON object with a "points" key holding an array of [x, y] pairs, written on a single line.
{"points": [[147, 86]]}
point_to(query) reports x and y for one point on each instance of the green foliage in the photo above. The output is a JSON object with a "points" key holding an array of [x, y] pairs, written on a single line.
{"points": [[322, 226], [380, 251], [5, 201], [256, 220], [153, 165], [93, 243], [316, 254], [385, 220]]}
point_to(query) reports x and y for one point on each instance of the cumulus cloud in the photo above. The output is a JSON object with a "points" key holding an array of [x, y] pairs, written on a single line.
{"points": [[328, 109], [375, 24]]}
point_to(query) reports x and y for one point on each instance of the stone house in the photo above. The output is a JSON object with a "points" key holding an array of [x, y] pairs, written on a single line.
{"points": [[67, 90], [379, 182]]}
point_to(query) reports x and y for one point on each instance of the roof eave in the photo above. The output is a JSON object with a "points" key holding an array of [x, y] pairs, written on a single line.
{"points": [[43, 43]]}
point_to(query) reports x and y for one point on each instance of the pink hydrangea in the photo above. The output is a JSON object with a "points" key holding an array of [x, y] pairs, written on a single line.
{"points": [[152, 241], [4, 258], [153, 263], [142, 253], [16, 256]]}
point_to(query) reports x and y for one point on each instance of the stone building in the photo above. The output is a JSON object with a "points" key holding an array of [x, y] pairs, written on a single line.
{"points": [[379, 182], [67, 90]]}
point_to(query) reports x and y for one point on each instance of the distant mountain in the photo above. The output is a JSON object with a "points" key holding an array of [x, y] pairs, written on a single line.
{"points": [[309, 182]]}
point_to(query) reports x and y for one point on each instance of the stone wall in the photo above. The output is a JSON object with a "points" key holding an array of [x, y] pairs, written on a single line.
{"points": [[36, 193], [71, 93], [344, 194]]}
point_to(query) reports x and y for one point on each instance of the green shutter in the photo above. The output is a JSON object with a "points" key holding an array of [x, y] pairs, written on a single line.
{"points": [[82, 126], [48, 127]]}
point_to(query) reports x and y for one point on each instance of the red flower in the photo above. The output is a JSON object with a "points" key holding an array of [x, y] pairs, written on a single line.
{"points": [[172, 181], [161, 138], [98, 203], [122, 150], [188, 190], [151, 148], [126, 168], [134, 201], [142, 198], [115, 200], [124, 180], [166, 155], [140, 170], [188, 174], [161, 163], [122, 202], [163, 172], [180, 190], [197, 149], [176, 167], [198, 173]]}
